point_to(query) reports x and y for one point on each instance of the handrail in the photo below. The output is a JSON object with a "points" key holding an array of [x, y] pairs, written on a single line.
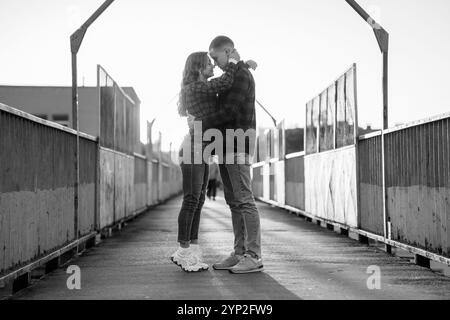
{"points": [[406, 126], [41, 121], [138, 155], [295, 155]]}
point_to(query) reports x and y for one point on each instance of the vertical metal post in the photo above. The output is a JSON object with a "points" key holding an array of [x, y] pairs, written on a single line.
{"points": [[75, 42], [160, 168], [335, 115], [77, 147], [385, 90], [386, 219], [356, 142], [318, 126], [305, 130], [115, 149], [97, 170]]}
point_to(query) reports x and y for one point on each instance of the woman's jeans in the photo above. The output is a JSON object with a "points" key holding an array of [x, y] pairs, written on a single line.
{"points": [[195, 182]]}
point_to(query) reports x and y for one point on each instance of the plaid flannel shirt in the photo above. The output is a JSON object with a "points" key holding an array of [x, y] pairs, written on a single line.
{"points": [[233, 108], [236, 109], [201, 97], [236, 106]]}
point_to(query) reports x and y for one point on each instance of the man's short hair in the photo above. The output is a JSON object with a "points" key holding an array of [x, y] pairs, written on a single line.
{"points": [[220, 41]]}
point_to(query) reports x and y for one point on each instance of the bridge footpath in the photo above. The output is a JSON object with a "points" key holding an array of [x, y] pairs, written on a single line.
{"points": [[302, 261]]}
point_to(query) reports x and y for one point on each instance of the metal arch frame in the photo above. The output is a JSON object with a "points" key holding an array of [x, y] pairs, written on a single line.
{"points": [[75, 43], [382, 37]]}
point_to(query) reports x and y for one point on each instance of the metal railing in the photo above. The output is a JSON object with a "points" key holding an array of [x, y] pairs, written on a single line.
{"points": [[37, 212], [417, 186]]}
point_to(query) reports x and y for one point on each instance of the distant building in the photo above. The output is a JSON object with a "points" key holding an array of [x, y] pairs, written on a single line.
{"points": [[55, 104], [367, 130]]}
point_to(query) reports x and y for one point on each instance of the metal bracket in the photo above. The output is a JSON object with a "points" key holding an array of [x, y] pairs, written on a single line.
{"points": [[382, 39], [76, 39]]}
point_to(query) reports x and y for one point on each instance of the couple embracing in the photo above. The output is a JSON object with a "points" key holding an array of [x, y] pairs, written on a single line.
{"points": [[227, 105]]}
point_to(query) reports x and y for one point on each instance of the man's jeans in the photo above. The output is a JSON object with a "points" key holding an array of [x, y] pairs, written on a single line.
{"points": [[195, 181], [244, 214]]}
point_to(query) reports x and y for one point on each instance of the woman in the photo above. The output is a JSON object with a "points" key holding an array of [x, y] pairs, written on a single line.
{"points": [[197, 92]]}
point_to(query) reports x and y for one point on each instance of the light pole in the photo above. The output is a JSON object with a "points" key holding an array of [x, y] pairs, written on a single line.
{"points": [[382, 37], [75, 42], [149, 150]]}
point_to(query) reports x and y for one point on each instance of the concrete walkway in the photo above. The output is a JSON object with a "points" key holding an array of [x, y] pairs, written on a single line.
{"points": [[301, 259]]}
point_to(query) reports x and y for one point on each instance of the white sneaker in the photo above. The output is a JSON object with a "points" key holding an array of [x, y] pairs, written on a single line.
{"points": [[178, 256], [186, 259], [198, 252]]}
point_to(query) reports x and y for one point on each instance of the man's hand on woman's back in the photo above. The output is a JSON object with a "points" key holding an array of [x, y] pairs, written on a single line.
{"points": [[251, 64]]}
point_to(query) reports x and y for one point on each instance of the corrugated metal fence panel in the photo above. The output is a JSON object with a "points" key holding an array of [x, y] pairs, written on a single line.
{"points": [[87, 201], [120, 121], [165, 182], [129, 128], [257, 182], [371, 185], [295, 182], [149, 195], [36, 189], [272, 182], [173, 189], [418, 185], [155, 182], [107, 195], [140, 182], [130, 191], [120, 190]]}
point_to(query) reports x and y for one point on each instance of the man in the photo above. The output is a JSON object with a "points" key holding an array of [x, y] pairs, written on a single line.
{"points": [[236, 110]]}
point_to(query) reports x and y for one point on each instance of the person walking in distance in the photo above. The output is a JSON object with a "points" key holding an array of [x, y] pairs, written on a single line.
{"points": [[213, 177]]}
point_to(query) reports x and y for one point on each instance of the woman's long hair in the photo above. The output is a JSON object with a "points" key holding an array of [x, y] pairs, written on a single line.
{"points": [[196, 62]]}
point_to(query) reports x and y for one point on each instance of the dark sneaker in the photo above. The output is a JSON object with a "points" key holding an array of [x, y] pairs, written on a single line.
{"points": [[229, 262], [248, 264]]}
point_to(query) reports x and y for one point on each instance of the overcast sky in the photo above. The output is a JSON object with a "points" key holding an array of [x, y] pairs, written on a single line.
{"points": [[301, 47]]}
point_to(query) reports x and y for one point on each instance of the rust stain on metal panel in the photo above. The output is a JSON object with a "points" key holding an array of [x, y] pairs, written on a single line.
{"points": [[88, 155], [86, 208], [420, 227], [31, 223]]}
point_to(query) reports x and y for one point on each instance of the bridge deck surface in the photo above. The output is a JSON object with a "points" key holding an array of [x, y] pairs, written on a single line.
{"points": [[301, 259]]}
